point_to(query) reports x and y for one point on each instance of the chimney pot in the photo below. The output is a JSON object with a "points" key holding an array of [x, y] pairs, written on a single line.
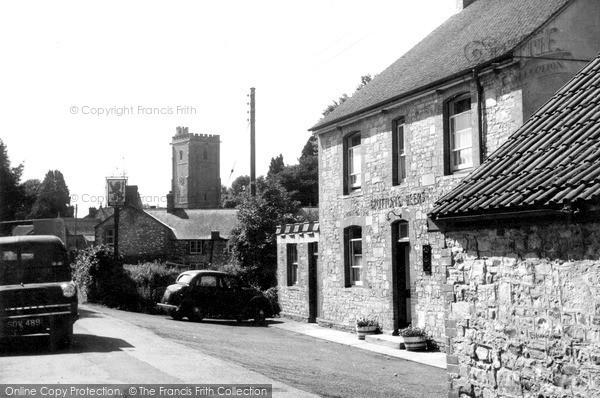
{"points": [[462, 4]]}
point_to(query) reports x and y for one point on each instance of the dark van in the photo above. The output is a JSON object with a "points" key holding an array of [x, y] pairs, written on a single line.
{"points": [[37, 294]]}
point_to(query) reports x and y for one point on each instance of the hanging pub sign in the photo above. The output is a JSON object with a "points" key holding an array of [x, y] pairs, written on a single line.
{"points": [[115, 191], [427, 259]]}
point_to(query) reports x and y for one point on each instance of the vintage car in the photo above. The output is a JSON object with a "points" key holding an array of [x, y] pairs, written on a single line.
{"points": [[37, 294], [203, 294]]}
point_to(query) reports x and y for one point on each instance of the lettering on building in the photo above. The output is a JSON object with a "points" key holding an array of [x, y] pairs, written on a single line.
{"points": [[411, 199]]}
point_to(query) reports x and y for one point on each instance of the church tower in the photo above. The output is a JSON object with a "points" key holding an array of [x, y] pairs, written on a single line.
{"points": [[196, 182]]}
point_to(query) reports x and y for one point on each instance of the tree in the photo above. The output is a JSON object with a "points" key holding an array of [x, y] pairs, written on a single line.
{"points": [[253, 242], [53, 199], [240, 187], [276, 166], [10, 192], [302, 180], [30, 191], [364, 80]]}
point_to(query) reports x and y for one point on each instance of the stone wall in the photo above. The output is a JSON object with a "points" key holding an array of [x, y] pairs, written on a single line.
{"points": [[411, 200], [524, 311], [140, 236], [219, 255]]}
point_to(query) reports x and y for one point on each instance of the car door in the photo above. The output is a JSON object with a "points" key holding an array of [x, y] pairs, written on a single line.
{"points": [[204, 293], [231, 295]]}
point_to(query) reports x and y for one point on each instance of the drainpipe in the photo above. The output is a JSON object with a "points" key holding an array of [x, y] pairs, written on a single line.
{"points": [[479, 94]]}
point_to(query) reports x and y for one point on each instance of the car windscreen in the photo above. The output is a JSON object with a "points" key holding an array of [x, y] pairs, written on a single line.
{"points": [[33, 262], [185, 279]]}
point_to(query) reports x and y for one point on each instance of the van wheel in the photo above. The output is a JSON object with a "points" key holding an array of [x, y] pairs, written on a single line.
{"points": [[176, 314], [61, 337], [260, 316]]}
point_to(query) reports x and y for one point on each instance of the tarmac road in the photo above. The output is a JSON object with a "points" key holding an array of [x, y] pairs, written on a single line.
{"points": [[112, 346]]}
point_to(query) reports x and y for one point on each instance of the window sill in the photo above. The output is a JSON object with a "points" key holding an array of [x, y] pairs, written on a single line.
{"points": [[353, 287], [399, 184], [353, 194]]}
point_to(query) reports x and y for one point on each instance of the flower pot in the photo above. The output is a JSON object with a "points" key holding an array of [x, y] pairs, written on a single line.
{"points": [[417, 343], [362, 331]]}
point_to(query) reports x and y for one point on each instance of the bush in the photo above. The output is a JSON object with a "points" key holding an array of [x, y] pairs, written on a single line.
{"points": [[101, 279], [151, 281], [366, 322], [413, 332], [272, 295]]}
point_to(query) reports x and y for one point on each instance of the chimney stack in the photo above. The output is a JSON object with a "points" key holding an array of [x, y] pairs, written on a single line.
{"points": [[461, 4], [170, 203]]}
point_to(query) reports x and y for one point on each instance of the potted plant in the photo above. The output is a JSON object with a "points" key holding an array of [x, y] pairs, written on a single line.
{"points": [[366, 326], [415, 339]]}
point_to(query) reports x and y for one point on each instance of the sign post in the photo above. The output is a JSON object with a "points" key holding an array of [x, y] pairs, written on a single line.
{"points": [[115, 196]]}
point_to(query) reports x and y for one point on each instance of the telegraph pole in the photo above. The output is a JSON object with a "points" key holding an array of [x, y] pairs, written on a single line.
{"points": [[116, 233], [252, 144]]}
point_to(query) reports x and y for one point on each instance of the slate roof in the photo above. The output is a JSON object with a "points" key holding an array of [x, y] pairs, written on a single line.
{"points": [[83, 226], [483, 31], [197, 223], [552, 161]]}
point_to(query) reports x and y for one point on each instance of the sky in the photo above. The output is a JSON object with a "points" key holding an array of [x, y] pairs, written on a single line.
{"points": [[97, 89]]}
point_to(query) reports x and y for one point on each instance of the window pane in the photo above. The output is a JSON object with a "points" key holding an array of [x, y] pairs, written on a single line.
{"points": [[354, 167], [460, 122], [402, 230], [462, 139], [402, 167], [355, 164], [208, 281], [356, 246], [460, 106], [356, 274], [400, 139]]}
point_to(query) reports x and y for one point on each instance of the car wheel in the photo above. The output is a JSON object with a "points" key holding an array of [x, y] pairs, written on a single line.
{"points": [[196, 314], [176, 314], [61, 337], [260, 316]]}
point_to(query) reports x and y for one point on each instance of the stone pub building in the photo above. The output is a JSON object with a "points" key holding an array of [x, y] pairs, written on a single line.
{"points": [[388, 153]]}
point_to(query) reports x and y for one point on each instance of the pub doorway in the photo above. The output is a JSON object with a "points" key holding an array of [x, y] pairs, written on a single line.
{"points": [[401, 275], [313, 286]]}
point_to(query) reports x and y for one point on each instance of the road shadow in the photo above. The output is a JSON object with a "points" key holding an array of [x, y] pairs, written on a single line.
{"points": [[233, 323], [40, 345], [86, 313]]}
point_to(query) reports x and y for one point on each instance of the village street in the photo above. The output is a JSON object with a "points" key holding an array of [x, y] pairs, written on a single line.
{"points": [[113, 346]]}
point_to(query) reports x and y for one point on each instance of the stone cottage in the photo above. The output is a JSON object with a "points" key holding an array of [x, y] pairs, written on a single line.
{"points": [[192, 230], [388, 153], [522, 257], [196, 237], [297, 259]]}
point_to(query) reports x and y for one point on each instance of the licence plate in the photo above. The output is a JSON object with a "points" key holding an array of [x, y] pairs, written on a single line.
{"points": [[24, 325]]}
